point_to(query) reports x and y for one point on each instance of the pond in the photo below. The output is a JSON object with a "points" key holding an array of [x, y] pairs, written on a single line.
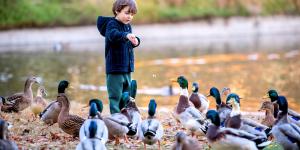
{"points": [[249, 73]]}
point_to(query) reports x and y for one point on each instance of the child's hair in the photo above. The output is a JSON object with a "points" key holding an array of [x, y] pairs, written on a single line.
{"points": [[120, 4]]}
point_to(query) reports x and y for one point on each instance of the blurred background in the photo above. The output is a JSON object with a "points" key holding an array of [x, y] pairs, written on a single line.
{"points": [[250, 46]]}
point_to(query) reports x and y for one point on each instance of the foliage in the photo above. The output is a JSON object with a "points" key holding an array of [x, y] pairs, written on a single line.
{"points": [[47, 13]]}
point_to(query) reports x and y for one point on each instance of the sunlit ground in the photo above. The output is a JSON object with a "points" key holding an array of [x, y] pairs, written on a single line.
{"points": [[248, 74]]}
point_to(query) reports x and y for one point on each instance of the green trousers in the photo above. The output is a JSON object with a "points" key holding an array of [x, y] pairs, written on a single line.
{"points": [[116, 85]]}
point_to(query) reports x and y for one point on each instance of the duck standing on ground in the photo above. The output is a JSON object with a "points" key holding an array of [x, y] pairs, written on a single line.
{"points": [[101, 131], [51, 112], [68, 123], [293, 115], [223, 109], [229, 138], [92, 142], [199, 100], [269, 117], [39, 103], [235, 120], [190, 117], [20, 101], [4, 142], [286, 133], [151, 130], [184, 142]]}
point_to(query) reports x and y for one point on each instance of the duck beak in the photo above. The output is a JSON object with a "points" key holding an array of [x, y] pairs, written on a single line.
{"points": [[71, 87], [173, 80], [266, 96], [85, 106], [208, 95]]}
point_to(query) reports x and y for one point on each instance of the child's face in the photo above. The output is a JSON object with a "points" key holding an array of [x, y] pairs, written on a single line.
{"points": [[125, 16]]}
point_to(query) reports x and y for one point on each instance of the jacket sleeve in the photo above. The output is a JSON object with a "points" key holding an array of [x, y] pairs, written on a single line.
{"points": [[113, 34], [139, 41]]}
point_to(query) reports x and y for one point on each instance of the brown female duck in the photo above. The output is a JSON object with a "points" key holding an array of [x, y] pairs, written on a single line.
{"points": [[68, 123], [4, 142], [184, 142], [269, 117], [20, 101]]}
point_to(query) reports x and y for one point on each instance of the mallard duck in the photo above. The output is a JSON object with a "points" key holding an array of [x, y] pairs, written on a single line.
{"points": [[287, 134], [68, 123], [5, 143], [229, 138], [188, 115], [101, 131], [118, 125], [269, 117], [151, 130], [184, 142], [39, 103], [93, 142], [199, 100], [293, 115], [223, 109], [51, 112], [235, 120], [133, 112], [20, 101]]}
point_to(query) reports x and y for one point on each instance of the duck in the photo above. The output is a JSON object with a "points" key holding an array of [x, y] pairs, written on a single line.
{"points": [[236, 121], [199, 100], [39, 103], [229, 138], [151, 130], [190, 117], [20, 101], [101, 131], [184, 142], [132, 109], [118, 125], [293, 115], [5, 143], [286, 133], [70, 124], [223, 109], [269, 117], [92, 142], [50, 114]]}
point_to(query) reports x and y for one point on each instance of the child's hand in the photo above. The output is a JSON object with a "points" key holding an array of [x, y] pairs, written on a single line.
{"points": [[131, 37]]}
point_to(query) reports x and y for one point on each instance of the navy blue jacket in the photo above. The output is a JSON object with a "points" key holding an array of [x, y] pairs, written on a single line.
{"points": [[119, 55]]}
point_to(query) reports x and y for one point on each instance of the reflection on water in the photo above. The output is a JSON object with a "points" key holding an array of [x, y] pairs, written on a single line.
{"points": [[248, 74]]}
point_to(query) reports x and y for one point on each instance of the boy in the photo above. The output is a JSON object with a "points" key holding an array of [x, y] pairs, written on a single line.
{"points": [[119, 55]]}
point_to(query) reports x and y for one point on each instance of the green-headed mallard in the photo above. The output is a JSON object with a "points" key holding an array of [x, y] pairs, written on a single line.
{"points": [[184, 142], [269, 117], [199, 100], [229, 138], [248, 125], [133, 113], [5, 143], [188, 115], [101, 131], [285, 132], [293, 115], [92, 142], [20, 101], [68, 123], [51, 112], [223, 109], [151, 130], [39, 103]]}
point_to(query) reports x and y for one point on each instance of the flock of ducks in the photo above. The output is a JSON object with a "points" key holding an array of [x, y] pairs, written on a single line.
{"points": [[224, 127]]}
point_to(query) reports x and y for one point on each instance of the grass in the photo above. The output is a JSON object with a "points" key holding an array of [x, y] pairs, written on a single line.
{"points": [[48, 13]]}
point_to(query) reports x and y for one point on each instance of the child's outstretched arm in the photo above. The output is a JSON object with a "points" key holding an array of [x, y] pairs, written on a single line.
{"points": [[113, 34]]}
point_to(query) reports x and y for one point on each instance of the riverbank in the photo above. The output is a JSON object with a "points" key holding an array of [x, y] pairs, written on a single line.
{"points": [[237, 32]]}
